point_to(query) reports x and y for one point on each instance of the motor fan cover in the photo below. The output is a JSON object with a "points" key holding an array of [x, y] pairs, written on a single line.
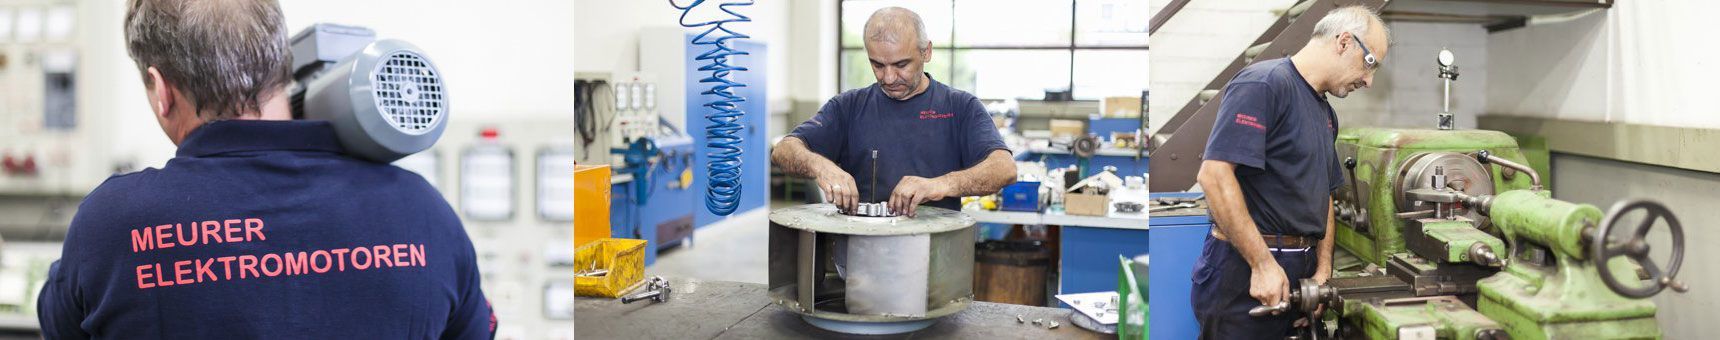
{"points": [[385, 102]]}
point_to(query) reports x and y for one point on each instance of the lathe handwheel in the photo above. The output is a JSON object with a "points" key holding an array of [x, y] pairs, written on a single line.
{"points": [[1603, 247]]}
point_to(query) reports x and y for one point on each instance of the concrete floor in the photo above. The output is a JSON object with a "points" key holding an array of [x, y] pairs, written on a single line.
{"points": [[729, 250]]}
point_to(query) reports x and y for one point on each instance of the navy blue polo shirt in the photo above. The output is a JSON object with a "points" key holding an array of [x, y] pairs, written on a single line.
{"points": [[937, 132], [1282, 133], [264, 229]]}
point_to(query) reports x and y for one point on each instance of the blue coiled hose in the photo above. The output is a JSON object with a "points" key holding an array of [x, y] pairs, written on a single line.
{"points": [[722, 137]]}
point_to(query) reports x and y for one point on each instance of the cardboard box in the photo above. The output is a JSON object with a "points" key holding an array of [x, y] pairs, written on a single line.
{"points": [[1086, 204], [1068, 127], [1120, 107]]}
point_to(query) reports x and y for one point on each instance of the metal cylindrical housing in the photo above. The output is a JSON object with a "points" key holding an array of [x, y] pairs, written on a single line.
{"points": [[1544, 220], [871, 275]]}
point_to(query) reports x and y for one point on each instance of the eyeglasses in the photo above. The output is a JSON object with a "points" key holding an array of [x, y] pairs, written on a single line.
{"points": [[1367, 56]]}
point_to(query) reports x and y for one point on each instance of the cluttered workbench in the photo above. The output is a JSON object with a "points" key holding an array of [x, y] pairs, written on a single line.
{"points": [[701, 309]]}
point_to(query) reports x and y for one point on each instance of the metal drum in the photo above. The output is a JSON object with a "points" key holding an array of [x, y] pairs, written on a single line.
{"points": [[871, 275]]}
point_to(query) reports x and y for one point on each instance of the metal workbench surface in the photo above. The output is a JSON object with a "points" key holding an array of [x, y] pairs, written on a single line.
{"points": [[732, 310]]}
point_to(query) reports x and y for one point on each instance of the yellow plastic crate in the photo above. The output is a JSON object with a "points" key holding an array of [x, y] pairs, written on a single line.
{"points": [[624, 258]]}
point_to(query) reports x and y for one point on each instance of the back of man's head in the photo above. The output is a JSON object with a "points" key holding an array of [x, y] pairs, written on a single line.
{"points": [[226, 56]]}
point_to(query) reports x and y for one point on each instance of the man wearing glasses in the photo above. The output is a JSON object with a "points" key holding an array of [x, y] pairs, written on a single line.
{"points": [[1269, 170]]}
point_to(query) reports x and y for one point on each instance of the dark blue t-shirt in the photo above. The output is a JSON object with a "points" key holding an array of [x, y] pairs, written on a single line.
{"points": [[1281, 132], [937, 132], [264, 229]]}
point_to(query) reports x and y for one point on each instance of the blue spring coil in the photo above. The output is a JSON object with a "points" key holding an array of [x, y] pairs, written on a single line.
{"points": [[722, 137]]}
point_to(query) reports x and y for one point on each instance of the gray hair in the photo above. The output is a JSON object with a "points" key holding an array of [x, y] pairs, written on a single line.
{"points": [[1353, 19], [227, 56], [896, 18]]}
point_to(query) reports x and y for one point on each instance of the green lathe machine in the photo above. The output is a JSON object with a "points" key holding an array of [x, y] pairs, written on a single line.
{"points": [[1457, 239]]}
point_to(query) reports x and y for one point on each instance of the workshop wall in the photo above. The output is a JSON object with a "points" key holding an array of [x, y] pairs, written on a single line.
{"points": [[1188, 51], [811, 65], [1606, 67], [487, 72], [1690, 195], [1407, 92], [112, 101], [502, 59], [608, 36], [1641, 62]]}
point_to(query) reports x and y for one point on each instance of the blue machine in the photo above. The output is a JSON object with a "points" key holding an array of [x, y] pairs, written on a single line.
{"points": [[637, 156], [755, 161], [1179, 240], [654, 206]]}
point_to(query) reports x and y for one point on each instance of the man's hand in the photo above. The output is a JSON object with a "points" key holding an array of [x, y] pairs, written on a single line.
{"points": [[1268, 284], [911, 191], [838, 187]]}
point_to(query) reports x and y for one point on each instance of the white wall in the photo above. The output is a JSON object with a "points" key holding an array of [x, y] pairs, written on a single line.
{"points": [[812, 62], [1407, 92], [1196, 44], [111, 101], [504, 60], [608, 36], [1206, 35], [1641, 62]]}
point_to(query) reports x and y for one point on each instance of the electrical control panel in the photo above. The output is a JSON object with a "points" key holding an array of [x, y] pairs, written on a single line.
{"points": [[511, 181], [621, 107], [45, 120], [635, 109]]}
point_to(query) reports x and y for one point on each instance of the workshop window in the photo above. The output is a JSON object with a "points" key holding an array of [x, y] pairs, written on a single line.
{"points": [[999, 49]]}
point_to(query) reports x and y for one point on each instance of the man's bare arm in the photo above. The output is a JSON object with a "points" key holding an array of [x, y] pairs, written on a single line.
{"points": [[1323, 270], [792, 157], [1224, 196], [985, 178]]}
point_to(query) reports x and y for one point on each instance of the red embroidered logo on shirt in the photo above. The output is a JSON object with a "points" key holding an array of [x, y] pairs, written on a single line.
{"points": [[1250, 121], [930, 114]]}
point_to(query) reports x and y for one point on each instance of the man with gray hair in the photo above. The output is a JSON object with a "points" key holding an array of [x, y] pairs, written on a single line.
{"points": [[932, 144], [1269, 171], [260, 226]]}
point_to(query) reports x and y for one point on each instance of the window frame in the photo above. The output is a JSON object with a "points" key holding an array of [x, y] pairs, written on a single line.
{"points": [[953, 49]]}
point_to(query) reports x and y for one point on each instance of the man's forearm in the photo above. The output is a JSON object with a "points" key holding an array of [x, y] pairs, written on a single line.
{"points": [[1326, 243], [987, 177], [1224, 195], [792, 157]]}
